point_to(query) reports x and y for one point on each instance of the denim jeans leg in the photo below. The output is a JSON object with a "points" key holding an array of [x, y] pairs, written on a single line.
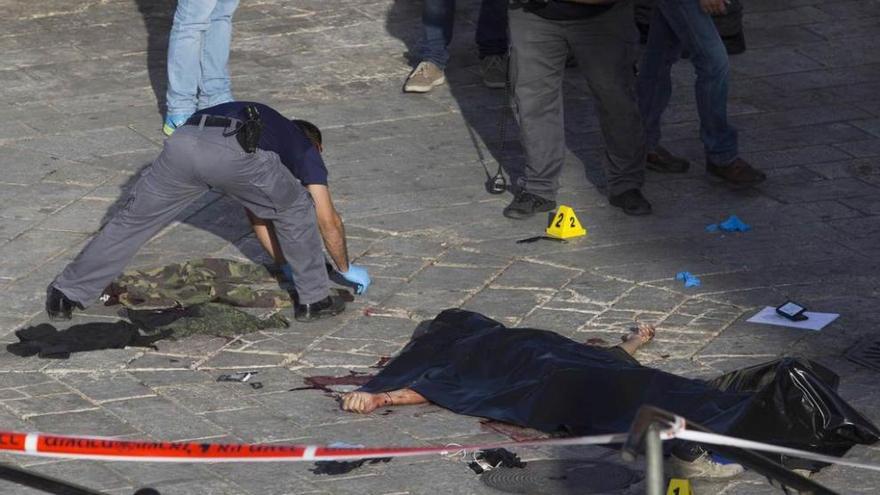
{"points": [[215, 87], [438, 19], [709, 56], [654, 85], [191, 21], [491, 35]]}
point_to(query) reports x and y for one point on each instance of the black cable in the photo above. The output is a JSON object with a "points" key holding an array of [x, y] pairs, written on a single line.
{"points": [[43, 483]]}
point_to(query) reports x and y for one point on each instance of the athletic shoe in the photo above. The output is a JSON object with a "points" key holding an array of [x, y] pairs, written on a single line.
{"points": [[526, 204], [173, 121], [701, 467], [424, 78], [494, 71], [631, 201], [738, 174]]}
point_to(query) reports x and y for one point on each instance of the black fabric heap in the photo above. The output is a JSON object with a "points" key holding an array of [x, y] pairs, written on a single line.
{"points": [[474, 365], [47, 342]]}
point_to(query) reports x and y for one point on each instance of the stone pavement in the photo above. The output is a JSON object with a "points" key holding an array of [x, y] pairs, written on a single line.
{"points": [[81, 85]]}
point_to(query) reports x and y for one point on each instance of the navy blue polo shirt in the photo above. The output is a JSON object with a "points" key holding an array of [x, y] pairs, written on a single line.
{"points": [[281, 136]]}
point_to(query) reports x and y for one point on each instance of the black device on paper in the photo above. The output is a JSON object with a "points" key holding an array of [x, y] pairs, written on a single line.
{"points": [[792, 310]]}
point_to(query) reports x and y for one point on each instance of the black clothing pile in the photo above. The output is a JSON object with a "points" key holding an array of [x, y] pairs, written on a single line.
{"points": [[473, 365], [47, 342]]}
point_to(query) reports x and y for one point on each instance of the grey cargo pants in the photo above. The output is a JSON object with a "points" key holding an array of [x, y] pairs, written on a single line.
{"points": [[604, 47], [193, 161]]}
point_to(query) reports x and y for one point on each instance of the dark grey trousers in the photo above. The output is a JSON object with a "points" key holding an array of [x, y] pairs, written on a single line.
{"points": [[193, 161], [604, 46]]}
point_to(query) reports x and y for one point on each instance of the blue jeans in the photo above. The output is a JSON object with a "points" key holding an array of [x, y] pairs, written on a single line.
{"points": [[198, 54], [438, 18], [676, 24]]}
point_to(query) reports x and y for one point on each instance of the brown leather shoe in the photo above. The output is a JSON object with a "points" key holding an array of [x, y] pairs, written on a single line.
{"points": [[738, 174], [662, 161]]}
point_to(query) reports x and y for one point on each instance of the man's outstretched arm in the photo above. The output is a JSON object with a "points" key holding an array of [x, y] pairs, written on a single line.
{"points": [[365, 402], [331, 226]]}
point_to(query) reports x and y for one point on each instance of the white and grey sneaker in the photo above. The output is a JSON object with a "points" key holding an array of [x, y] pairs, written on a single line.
{"points": [[701, 467], [425, 77]]}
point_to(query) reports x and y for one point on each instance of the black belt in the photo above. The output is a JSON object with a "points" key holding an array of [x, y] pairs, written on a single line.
{"points": [[212, 121]]}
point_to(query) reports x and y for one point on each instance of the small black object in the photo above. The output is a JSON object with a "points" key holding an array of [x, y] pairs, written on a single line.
{"points": [[242, 376], [257, 385], [486, 460], [496, 184], [537, 238], [249, 132], [333, 468], [147, 491], [792, 310]]}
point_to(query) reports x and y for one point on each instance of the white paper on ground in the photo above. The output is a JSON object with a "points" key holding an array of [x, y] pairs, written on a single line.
{"points": [[815, 321]]}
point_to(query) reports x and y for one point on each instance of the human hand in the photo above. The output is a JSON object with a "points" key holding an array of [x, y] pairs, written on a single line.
{"points": [[360, 402], [358, 276], [714, 7]]}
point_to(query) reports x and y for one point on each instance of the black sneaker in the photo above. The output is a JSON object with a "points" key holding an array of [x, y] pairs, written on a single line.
{"points": [[58, 306], [329, 306], [662, 161], [632, 202], [526, 204], [738, 174]]}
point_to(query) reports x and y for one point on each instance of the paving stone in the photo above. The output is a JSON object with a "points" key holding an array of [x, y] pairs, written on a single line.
{"points": [[160, 419], [52, 404], [95, 422], [103, 387]]}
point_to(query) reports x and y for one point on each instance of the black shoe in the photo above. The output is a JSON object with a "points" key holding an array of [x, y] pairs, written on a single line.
{"points": [[662, 161], [329, 306], [632, 202], [526, 204], [58, 306], [738, 174]]}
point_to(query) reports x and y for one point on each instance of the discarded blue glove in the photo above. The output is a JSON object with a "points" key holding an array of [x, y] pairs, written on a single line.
{"points": [[358, 276], [732, 224], [688, 279], [287, 271]]}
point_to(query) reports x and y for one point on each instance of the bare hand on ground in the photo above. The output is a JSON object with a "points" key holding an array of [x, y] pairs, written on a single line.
{"points": [[644, 333], [360, 402]]}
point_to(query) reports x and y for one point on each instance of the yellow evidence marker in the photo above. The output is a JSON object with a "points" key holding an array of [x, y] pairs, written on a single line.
{"points": [[678, 486], [565, 224]]}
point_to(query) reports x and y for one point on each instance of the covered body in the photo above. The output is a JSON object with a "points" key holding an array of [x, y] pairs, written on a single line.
{"points": [[474, 365]]}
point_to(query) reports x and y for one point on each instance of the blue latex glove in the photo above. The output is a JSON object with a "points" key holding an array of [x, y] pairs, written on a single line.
{"points": [[358, 276], [734, 224], [287, 271], [689, 279]]}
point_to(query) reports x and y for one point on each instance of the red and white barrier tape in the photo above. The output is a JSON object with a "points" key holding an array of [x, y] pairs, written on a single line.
{"points": [[109, 449], [716, 439]]}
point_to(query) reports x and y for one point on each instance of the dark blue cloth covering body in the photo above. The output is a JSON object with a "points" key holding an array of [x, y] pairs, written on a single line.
{"points": [[474, 365]]}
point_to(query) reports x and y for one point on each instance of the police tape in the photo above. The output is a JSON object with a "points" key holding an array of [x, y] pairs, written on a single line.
{"points": [[110, 449], [716, 439]]}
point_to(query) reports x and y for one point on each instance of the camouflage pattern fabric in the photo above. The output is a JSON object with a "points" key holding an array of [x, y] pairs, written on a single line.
{"points": [[213, 319], [197, 282]]}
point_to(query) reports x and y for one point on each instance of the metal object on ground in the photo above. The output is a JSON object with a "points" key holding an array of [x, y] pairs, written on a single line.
{"points": [[241, 376], [563, 476], [866, 353]]}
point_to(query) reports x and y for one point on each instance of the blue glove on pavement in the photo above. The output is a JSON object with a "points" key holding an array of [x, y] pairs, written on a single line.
{"points": [[358, 276], [287, 271]]}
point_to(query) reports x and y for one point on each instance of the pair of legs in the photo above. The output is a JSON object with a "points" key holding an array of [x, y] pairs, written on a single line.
{"points": [[198, 56], [438, 20], [194, 160], [678, 24], [365, 402], [604, 46]]}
